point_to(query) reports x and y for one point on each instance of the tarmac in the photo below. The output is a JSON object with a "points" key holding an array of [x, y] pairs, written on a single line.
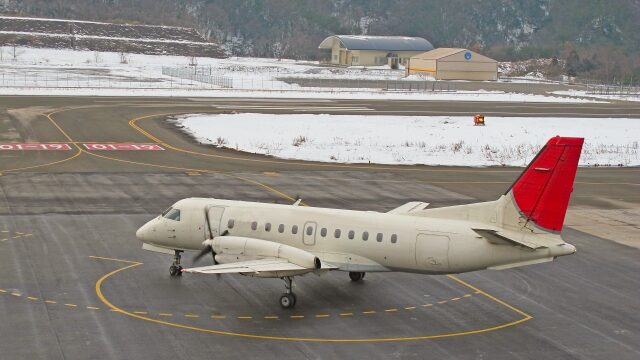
{"points": [[76, 283]]}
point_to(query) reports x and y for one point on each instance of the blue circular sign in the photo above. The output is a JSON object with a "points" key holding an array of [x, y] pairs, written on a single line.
{"points": [[467, 55]]}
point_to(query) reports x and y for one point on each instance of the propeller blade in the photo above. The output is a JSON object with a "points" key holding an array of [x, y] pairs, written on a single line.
{"points": [[203, 252]]}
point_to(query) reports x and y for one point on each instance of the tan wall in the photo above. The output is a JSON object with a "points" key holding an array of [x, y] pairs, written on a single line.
{"points": [[466, 66], [422, 66], [367, 57], [467, 75]]}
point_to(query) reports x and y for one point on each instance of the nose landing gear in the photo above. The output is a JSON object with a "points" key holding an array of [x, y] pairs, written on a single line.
{"points": [[288, 299], [176, 269]]}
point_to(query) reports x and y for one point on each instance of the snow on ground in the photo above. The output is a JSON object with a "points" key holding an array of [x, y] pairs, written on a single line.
{"points": [[430, 140], [626, 97], [31, 71]]}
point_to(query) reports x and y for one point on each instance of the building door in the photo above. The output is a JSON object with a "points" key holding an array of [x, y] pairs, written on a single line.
{"points": [[432, 252], [309, 233]]}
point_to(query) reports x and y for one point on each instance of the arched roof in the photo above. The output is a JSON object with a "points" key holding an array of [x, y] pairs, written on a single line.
{"points": [[384, 43]]}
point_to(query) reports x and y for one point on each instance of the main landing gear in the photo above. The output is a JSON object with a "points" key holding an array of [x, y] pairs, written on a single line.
{"points": [[288, 299], [175, 269], [356, 276]]}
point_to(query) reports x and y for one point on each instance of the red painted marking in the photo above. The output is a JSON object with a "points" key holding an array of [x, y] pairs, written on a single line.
{"points": [[543, 190], [34, 146], [123, 147]]}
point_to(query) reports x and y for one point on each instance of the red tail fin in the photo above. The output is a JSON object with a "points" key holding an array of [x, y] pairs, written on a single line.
{"points": [[543, 190]]}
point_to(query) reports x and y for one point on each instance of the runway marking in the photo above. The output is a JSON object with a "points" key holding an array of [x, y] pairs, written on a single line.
{"points": [[50, 302], [272, 317], [122, 147], [368, 313], [296, 317], [75, 155], [442, 302], [427, 305], [17, 235], [35, 147], [455, 299], [3, 290]]}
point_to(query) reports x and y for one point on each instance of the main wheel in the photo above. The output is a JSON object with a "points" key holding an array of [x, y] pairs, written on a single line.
{"points": [[356, 276], [287, 301], [175, 270]]}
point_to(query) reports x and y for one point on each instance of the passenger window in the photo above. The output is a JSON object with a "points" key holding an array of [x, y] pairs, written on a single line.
{"points": [[254, 225], [173, 214], [267, 227], [231, 223], [379, 237], [309, 230], [281, 228], [365, 236], [394, 238], [352, 234], [294, 229], [337, 233], [323, 232]]}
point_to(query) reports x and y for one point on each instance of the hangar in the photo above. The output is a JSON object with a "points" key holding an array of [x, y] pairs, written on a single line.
{"points": [[454, 64], [373, 50]]}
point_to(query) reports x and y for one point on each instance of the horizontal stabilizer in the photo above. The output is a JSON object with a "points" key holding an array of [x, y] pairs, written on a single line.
{"points": [[498, 237], [409, 208]]}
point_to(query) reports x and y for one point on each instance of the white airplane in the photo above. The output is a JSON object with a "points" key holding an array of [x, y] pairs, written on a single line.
{"points": [[521, 228]]}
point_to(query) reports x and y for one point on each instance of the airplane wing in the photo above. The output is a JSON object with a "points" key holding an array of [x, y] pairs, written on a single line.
{"points": [[409, 207], [256, 267]]}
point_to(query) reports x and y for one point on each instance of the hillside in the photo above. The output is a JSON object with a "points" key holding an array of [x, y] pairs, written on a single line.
{"points": [[101, 36], [599, 38]]}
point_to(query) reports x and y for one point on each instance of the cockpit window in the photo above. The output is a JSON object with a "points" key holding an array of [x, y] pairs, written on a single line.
{"points": [[172, 214], [166, 211]]}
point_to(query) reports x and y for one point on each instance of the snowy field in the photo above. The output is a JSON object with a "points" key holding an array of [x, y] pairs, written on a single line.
{"points": [[623, 96], [30, 71], [430, 140]]}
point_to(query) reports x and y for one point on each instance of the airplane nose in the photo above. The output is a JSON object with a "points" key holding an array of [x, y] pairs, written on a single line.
{"points": [[143, 232]]}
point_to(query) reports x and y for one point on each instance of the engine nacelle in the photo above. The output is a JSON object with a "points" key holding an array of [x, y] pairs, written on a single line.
{"points": [[248, 247]]}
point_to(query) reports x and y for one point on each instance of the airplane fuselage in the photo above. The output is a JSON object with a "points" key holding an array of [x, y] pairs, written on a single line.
{"points": [[354, 241]]}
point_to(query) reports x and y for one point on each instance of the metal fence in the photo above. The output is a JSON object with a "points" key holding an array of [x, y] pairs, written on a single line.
{"points": [[198, 74]]}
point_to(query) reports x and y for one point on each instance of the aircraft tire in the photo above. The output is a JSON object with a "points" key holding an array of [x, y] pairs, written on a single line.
{"points": [[356, 276], [287, 301]]}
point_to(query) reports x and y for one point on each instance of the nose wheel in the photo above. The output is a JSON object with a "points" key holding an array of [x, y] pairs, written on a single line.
{"points": [[288, 299], [176, 269]]}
